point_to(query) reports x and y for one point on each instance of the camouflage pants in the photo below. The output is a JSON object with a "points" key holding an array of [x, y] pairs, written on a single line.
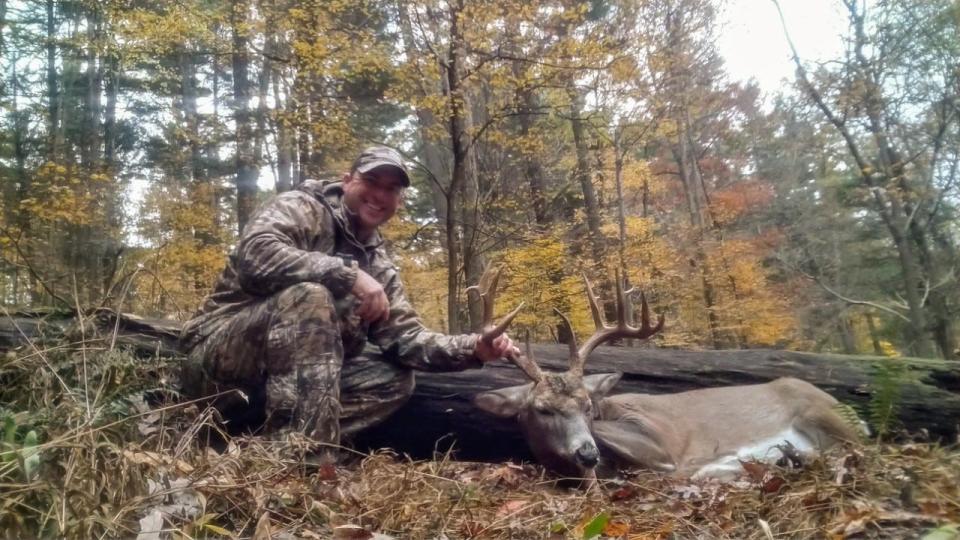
{"points": [[287, 354]]}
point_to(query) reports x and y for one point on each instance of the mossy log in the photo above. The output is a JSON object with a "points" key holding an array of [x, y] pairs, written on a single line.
{"points": [[441, 415]]}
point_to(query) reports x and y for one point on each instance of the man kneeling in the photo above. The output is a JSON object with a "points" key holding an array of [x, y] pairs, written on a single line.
{"points": [[304, 292]]}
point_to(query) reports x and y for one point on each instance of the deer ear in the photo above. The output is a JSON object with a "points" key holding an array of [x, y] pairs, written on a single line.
{"points": [[505, 402], [599, 385]]}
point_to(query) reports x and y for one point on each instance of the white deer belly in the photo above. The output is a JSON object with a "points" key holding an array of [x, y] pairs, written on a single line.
{"points": [[727, 466]]}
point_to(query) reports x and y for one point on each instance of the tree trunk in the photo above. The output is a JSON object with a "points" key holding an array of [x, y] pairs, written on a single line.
{"points": [[695, 209], [435, 159], [301, 98], [472, 258], [21, 191], [54, 134], [937, 301], [453, 266], [590, 203], [263, 88], [527, 101], [91, 139], [246, 176], [284, 136], [874, 336], [460, 147]]}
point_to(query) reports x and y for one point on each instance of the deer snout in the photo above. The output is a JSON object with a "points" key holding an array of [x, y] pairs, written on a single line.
{"points": [[587, 455]]}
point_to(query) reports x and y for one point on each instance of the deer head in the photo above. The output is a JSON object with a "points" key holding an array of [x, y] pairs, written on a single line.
{"points": [[556, 410]]}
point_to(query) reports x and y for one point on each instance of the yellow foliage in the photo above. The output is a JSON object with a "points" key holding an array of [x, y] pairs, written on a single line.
{"points": [[186, 240], [536, 274], [66, 196], [747, 303]]}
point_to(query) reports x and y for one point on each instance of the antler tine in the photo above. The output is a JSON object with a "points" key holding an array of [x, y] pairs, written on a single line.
{"points": [[622, 329], [491, 332], [527, 363], [487, 291], [574, 361], [488, 282], [595, 310]]}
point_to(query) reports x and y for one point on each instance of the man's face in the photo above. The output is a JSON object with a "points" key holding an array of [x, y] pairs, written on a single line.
{"points": [[373, 197]]}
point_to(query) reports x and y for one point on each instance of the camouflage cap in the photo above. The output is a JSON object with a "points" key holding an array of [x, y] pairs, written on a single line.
{"points": [[379, 156]]}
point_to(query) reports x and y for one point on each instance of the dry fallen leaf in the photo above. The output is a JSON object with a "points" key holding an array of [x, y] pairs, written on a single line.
{"points": [[773, 485], [263, 531], [351, 532], [153, 458], [510, 508], [151, 525], [756, 471], [616, 529], [623, 493], [327, 473], [510, 476]]}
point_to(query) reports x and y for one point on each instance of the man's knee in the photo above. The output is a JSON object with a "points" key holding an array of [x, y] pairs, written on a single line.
{"points": [[304, 328], [305, 296]]}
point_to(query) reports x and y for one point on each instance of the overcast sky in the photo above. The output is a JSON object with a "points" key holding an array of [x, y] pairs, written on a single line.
{"points": [[753, 44]]}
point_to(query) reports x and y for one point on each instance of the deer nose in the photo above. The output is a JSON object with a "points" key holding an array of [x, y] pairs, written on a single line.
{"points": [[588, 455]]}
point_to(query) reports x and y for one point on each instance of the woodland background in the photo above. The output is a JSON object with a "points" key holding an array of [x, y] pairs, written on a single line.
{"points": [[557, 137]]}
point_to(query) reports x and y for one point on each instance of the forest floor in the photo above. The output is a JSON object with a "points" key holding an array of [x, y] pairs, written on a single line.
{"points": [[93, 447]]}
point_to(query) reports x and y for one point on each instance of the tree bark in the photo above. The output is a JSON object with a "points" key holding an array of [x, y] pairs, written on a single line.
{"points": [[694, 207], [282, 114], [459, 146], [531, 165], [263, 88], [246, 175], [590, 203], [54, 133]]}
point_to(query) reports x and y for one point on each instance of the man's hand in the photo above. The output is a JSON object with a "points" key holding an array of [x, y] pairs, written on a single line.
{"points": [[501, 347], [374, 305]]}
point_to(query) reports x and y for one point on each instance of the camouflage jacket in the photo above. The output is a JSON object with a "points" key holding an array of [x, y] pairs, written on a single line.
{"points": [[303, 235]]}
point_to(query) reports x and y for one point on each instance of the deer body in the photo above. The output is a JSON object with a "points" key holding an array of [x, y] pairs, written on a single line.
{"points": [[707, 432], [699, 433]]}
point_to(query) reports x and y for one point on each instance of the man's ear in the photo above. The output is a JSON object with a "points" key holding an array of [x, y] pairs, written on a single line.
{"points": [[505, 402], [346, 177], [599, 385]]}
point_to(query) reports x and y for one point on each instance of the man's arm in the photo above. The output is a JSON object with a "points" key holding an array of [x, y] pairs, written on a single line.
{"points": [[405, 337], [273, 252]]}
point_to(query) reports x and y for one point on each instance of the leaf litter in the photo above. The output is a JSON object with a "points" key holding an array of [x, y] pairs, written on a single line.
{"points": [[151, 473]]}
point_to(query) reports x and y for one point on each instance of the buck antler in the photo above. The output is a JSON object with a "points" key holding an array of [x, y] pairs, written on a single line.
{"points": [[606, 332], [487, 291]]}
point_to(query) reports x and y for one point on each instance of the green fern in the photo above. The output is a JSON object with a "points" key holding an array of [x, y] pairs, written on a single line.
{"points": [[885, 401], [850, 417]]}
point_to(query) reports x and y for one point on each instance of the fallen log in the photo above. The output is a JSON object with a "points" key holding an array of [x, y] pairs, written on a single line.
{"points": [[144, 336], [440, 415]]}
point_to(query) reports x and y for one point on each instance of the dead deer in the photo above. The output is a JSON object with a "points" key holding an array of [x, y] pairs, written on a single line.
{"points": [[699, 433]]}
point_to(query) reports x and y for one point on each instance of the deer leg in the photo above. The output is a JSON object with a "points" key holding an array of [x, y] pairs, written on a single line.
{"points": [[824, 428], [634, 444]]}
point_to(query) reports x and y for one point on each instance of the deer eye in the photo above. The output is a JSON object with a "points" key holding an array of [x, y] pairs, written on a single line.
{"points": [[545, 411]]}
